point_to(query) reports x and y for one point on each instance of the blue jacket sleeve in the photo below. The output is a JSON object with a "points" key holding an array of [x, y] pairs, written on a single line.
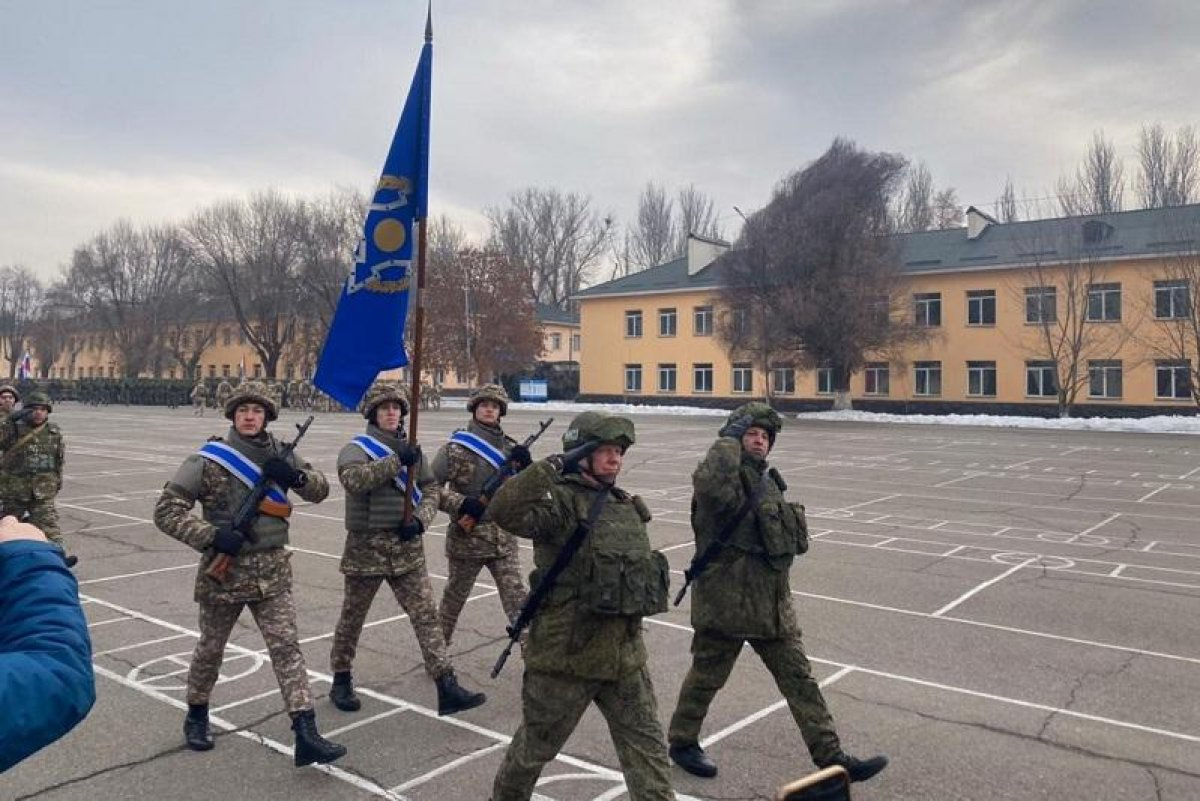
{"points": [[46, 681]]}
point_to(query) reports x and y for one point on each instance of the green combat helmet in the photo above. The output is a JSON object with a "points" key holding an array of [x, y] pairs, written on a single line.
{"points": [[380, 392], [492, 392], [10, 389], [761, 415], [38, 398], [598, 427], [252, 392]]}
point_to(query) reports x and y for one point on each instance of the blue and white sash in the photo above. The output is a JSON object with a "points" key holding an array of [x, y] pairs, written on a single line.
{"points": [[242, 468], [480, 447], [375, 451]]}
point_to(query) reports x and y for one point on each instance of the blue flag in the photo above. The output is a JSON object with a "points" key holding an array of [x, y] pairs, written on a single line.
{"points": [[367, 332]]}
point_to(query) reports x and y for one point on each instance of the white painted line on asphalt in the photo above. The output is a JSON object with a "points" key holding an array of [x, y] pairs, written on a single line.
{"points": [[329, 735], [1099, 525], [92, 529], [103, 512], [244, 701], [1116, 571], [953, 551], [884, 541], [981, 587], [99, 623], [952, 481], [446, 768], [1189, 473], [1022, 464], [737, 726], [137, 645], [190, 565], [1152, 493], [864, 503]]}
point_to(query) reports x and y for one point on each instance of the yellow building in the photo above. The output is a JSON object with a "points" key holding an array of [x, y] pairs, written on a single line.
{"points": [[992, 298]]}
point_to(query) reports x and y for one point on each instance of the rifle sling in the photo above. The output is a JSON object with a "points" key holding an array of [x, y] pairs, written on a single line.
{"points": [[21, 443], [701, 560]]}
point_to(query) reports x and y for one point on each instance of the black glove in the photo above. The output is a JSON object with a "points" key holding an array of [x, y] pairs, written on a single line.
{"points": [[520, 457], [569, 462], [409, 454], [282, 473], [472, 508], [228, 540], [736, 427], [411, 530]]}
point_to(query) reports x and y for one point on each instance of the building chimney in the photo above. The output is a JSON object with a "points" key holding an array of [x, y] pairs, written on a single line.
{"points": [[978, 222], [702, 251]]}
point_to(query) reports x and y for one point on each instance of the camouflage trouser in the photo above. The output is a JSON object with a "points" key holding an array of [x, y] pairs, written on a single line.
{"points": [[552, 705], [712, 661], [506, 572], [198, 406], [276, 619], [42, 513], [415, 594]]}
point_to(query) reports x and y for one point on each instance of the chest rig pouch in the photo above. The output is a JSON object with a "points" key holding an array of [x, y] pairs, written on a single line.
{"points": [[622, 576]]}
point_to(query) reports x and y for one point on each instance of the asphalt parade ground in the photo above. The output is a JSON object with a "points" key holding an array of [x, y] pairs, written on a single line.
{"points": [[1007, 614]]}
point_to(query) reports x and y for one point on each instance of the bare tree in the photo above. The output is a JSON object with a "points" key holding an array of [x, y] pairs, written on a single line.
{"points": [[328, 229], [697, 215], [559, 237], [20, 305], [654, 235], [947, 210], [50, 334], [1171, 305], [1098, 185], [1006, 204], [1168, 168], [820, 264], [916, 212]]}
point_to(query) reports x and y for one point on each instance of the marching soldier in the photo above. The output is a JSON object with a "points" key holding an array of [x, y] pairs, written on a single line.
{"points": [[742, 593], [585, 644], [380, 545], [199, 398], [220, 476], [467, 461], [31, 466], [9, 398], [224, 390]]}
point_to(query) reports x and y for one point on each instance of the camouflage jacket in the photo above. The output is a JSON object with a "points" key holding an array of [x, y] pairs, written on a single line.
{"points": [[378, 551], [744, 591], [256, 574], [463, 472], [545, 506], [31, 462]]}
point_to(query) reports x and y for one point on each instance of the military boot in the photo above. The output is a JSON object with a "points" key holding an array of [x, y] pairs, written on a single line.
{"points": [[342, 692], [195, 728], [693, 759], [859, 769], [453, 698], [310, 745]]}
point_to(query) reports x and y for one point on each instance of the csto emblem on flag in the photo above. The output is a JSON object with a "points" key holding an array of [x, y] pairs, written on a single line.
{"points": [[378, 265]]}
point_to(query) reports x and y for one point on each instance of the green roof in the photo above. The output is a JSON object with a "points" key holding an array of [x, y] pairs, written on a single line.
{"points": [[552, 314]]}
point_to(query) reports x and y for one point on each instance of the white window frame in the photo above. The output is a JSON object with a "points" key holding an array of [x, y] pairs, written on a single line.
{"points": [[743, 378], [824, 380], [702, 321], [877, 379], [702, 369], [927, 308], [981, 369], [1174, 368], [668, 322], [979, 300], [1043, 370], [788, 374], [633, 379], [1102, 294], [633, 324], [1178, 299], [925, 375], [1105, 373], [668, 371], [1041, 297]]}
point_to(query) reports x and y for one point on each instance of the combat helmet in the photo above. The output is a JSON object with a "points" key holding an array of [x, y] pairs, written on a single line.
{"points": [[761, 415], [38, 398], [252, 392], [492, 392], [10, 389], [378, 393], [598, 427]]}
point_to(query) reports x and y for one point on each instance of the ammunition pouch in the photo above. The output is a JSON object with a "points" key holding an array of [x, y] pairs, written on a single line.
{"points": [[626, 584]]}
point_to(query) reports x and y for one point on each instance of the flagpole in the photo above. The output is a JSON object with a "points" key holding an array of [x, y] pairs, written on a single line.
{"points": [[419, 312]]}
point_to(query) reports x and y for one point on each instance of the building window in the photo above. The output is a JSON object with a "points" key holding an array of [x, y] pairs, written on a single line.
{"points": [[928, 378], [171, 373], [1104, 379], [743, 377], [666, 322], [224, 371], [981, 307], [212, 371], [1172, 380], [739, 321], [576, 341], [702, 321], [1041, 304], [981, 379], [702, 378], [877, 379], [258, 371], [824, 380], [783, 380], [633, 323], [1104, 303], [1041, 379], [1172, 300], [227, 337], [928, 307], [633, 378], [555, 341], [111, 371], [666, 378]]}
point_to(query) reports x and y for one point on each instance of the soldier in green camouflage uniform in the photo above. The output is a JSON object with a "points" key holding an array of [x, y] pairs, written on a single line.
{"points": [[199, 398], [261, 576], [486, 544], [743, 595], [9, 398], [585, 644], [381, 545], [31, 466]]}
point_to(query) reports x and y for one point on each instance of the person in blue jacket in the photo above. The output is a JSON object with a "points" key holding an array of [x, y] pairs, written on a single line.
{"points": [[46, 681]]}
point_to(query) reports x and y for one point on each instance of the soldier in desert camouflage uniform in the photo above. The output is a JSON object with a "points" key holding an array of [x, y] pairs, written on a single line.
{"points": [[381, 545], [31, 466], [467, 461], [261, 577], [743, 594], [224, 391], [199, 398], [9, 398]]}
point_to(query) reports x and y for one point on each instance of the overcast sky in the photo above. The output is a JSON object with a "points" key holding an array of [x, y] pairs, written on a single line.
{"points": [[148, 109]]}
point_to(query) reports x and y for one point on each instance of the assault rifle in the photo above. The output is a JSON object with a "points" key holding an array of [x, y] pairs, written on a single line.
{"points": [[466, 522], [701, 560], [248, 511]]}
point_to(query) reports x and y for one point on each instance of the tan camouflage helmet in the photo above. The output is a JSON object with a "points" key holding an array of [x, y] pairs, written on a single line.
{"points": [[252, 392], [9, 388], [492, 392], [38, 398], [382, 391], [761, 416], [598, 427]]}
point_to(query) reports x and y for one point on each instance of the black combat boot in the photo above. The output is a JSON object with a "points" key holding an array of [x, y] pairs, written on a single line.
{"points": [[195, 728], [310, 745], [693, 759], [342, 692], [859, 769], [453, 698]]}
